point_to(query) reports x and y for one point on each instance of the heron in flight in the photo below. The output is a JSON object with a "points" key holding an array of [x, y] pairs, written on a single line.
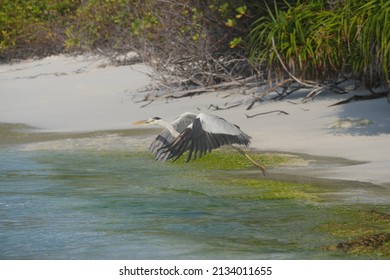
{"points": [[198, 134]]}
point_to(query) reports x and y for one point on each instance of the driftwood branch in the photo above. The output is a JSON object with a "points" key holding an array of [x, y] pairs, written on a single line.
{"points": [[183, 76], [217, 108], [271, 89], [237, 83], [270, 112], [146, 104], [286, 92], [361, 97]]}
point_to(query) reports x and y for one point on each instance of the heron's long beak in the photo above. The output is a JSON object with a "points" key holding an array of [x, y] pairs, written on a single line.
{"points": [[141, 122]]}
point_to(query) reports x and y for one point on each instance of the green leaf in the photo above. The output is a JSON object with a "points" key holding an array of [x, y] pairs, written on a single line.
{"points": [[231, 22], [241, 11], [235, 42]]}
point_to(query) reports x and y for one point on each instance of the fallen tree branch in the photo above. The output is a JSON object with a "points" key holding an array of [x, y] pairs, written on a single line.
{"points": [[187, 93], [313, 93], [285, 92], [146, 98], [270, 112], [271, 89], [150, 102], [217, 108], [190, 92], [361, 97]]}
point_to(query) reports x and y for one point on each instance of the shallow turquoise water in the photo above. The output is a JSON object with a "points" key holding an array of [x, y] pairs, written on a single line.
{"points": [[102, 196]]}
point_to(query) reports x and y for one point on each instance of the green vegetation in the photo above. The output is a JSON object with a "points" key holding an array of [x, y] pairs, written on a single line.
{"points": [[361, 232], [324, 40], [272, 189], [228, 159], [33, 27], [320, 40], [364, 232], [259, 188], [56, 26]]}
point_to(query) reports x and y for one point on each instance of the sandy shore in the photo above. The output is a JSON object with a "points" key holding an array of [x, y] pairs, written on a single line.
{"points": [[87, 93]]}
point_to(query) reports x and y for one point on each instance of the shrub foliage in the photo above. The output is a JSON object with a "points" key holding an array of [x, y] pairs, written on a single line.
{"points": [[212, 41], [323, 40]]}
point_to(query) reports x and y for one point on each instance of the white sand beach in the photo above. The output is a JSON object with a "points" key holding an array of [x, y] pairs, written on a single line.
{"points": [[86, 93]]}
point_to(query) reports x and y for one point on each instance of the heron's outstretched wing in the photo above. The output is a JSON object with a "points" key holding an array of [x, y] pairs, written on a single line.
{"points": [[162, 140], [206, 133], [165, 137]]}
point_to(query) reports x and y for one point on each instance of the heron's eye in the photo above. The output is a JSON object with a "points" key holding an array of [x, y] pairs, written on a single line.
{"points": [[156, 118]]}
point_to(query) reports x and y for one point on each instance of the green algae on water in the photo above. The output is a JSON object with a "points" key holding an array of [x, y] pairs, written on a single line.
{"points": [[228, 159], [272, 189], [361, 232], [254, 188]]}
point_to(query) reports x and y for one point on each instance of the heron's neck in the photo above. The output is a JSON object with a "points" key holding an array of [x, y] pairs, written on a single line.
{"points": [[168, 126]]}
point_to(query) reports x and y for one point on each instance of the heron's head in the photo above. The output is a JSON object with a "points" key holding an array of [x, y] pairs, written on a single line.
{"points": [[154, 120]]}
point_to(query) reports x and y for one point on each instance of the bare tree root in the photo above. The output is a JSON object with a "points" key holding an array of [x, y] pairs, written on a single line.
{"points": [[179, 93], [314, 87], [193, 73], [309, 84], [266, 92], [361, 97]]}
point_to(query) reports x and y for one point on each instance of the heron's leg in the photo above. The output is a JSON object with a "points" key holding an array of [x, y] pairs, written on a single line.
{"points": [[251, 159]]}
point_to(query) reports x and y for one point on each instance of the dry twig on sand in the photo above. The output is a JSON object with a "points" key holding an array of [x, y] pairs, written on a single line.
{"points": [[265, 113], [217, 108]]}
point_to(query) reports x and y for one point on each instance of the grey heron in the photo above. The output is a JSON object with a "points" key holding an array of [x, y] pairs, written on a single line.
{"points": [[198, 134]]}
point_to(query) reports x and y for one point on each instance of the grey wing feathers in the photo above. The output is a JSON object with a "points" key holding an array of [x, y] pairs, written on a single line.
{"points": [[198, 142], [162, 140], [183, 121], [158, 146]]}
